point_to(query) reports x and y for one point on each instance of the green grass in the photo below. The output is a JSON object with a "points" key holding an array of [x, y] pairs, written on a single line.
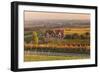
{"points": [[47, 58]]}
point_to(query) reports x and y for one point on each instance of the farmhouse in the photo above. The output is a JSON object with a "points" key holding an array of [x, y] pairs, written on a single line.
{"points": [[55, 33]]}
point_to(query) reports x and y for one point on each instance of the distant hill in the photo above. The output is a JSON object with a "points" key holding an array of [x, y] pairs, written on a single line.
{"points": [[56, 23]]}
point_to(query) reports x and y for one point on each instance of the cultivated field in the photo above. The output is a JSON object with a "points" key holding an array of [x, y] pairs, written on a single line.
{"points": [[47, 58], [68, 43]]}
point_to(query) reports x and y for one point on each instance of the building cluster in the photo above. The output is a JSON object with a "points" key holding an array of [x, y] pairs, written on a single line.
{"points": [[55, 33]]}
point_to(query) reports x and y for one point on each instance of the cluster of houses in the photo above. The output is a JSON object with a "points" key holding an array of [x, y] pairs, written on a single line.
{"points": [[55, 33]]}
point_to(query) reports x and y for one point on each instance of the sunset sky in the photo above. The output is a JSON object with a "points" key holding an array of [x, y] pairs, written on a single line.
{"points": [[29, 16]]}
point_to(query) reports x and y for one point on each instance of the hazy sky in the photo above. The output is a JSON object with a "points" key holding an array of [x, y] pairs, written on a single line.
{"points": [[29, 16]]}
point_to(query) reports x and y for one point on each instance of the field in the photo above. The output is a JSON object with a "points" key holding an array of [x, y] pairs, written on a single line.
{"points": [[57, 44], [47, 58], [76, 30]]}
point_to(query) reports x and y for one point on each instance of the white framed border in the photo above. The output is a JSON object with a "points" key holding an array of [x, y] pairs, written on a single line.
{"points": [[22, 64]]}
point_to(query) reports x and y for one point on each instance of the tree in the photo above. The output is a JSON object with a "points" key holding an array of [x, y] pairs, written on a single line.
{"points": [[82, 36], [75, 36], [68, 36], [35, 38], [87, 34]]}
